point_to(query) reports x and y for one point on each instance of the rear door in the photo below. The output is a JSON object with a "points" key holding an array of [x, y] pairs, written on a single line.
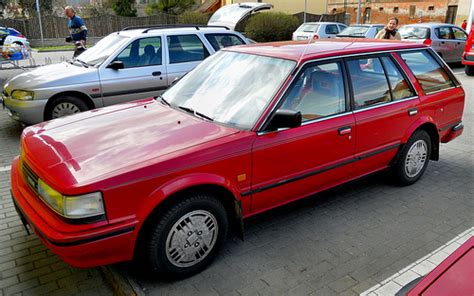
{"points": [[293, 163], [144, 73], [184, 52], [445, 45], [385, 106]]}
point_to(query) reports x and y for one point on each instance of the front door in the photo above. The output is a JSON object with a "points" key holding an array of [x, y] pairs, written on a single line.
{"points": [[144, 73], [293, 163]]}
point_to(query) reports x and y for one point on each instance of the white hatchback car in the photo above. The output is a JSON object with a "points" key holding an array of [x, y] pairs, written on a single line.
{"points": [[318, 30], [12, 36], [132, 64]]}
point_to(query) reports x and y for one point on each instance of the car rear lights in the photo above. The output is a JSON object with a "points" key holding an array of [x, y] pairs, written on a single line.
{"points": [[427, 42]]}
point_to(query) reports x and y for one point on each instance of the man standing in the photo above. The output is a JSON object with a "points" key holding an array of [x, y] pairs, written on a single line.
{"points": [[77, 29]]}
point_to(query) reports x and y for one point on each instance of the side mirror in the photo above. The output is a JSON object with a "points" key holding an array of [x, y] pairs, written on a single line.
{"points": [[116, 65], [284, 118]]}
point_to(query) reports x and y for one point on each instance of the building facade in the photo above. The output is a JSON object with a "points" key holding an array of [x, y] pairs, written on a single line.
{"points": [[407, 11]]}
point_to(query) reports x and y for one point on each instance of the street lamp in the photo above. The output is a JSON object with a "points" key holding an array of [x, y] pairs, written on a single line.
{"points": [[39, 18]]}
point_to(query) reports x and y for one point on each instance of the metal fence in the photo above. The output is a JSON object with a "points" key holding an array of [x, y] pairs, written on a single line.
{"points": [[337, 17], [56, 27]]}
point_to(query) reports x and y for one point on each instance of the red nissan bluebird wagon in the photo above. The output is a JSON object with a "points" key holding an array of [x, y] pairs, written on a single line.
{"points": [[164, 180]]}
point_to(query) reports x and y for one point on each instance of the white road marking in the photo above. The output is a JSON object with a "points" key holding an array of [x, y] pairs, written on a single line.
{"points": [[420, 267], [5, 168]]}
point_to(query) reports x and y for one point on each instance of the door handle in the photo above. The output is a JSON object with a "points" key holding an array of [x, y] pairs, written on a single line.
{"points": [[442, 42], [412, 112], [157, 73], [345, 130]]}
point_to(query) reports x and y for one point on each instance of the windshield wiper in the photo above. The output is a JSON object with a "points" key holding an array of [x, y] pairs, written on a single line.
{"points": [[83, 63], [163, 101], [190, 110]]}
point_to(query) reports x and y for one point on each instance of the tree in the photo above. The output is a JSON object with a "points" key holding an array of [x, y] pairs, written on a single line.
{"points": [[124, 8], [169, 6], [29, 7]]}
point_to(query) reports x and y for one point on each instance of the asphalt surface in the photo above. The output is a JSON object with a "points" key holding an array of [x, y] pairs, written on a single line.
{"points": [[340, 242]]}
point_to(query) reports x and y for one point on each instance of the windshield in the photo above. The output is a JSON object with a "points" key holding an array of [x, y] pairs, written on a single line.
{"points": [[231, 88], [354, 31], [308, 28], [103, 49], [412, 32]]}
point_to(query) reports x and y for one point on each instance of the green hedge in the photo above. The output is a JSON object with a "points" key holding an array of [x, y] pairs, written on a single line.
{"points": [[271, 26], [194, 18]]}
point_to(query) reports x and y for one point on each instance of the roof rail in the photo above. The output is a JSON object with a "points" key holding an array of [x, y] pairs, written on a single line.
{"points": [[167, 26]]}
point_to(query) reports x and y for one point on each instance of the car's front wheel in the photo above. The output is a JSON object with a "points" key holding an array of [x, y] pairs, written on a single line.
{"points": [[65, 105], [469, 70], [187, 237], [413, 159]]}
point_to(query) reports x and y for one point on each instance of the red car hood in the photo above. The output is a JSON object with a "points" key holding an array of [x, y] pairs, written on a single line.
{"points": [[88, 147]]}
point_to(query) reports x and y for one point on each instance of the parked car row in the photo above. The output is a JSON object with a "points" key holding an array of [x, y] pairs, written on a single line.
{"points": [[446, 39], [163, 180]]}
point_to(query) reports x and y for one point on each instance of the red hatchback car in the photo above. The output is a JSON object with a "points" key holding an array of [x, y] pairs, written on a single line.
{"points": [[468, 54], [251, 128]]}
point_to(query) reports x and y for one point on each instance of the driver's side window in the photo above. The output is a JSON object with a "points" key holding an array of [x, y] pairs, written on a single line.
{"points": [[141, 53], [317, 92]]}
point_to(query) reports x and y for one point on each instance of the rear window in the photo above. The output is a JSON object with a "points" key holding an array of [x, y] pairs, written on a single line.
{"points": [[413, 32], [308, 28], [186, 48], [219, 41], [355, 31], [429, 73]]}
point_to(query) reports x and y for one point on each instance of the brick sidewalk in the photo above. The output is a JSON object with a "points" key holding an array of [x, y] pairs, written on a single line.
{"points": [[27, 267]]}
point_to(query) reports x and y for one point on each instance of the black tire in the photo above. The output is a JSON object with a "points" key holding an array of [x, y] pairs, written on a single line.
{"points": [[469, 70], [65, 105], [402, 176], [154, 254]]}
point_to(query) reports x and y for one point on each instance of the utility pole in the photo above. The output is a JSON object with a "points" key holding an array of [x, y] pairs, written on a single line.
{"points": [[358, 12], [39, 18], [470, 17], [304, 14]]}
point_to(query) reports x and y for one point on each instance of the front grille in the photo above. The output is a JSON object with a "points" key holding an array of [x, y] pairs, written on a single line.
{"points": [[30, 177]]}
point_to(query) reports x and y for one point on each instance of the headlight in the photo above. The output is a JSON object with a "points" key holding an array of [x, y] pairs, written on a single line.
{"points": [[22, 95], [73, 207]]}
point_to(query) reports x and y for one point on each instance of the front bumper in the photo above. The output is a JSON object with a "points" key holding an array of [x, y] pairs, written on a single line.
{"points": [[79, 245], [29, 112]]}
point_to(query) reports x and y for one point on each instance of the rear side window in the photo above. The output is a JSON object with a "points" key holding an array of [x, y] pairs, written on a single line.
{"points": [[443, 33], [429, 73], [369, 84], [398, 85], [331, 29], [186, 48], [317, 92], [219, 41]]}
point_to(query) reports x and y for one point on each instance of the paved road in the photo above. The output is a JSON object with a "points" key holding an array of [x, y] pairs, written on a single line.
{"points": [[340, 242]]}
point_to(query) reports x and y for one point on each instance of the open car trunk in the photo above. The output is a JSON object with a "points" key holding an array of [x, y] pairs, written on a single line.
{"points": [[233, 16]]}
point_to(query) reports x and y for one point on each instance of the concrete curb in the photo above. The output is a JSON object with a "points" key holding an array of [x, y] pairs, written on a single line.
{"points": [[121, 283]]}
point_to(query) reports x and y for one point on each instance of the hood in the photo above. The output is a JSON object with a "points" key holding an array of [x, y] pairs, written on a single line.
{"points": [[230, 15], [54, 75], [91, 146]]}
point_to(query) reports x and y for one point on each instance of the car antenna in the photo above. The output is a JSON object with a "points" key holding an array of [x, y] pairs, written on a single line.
{"points": [[310, 39]]}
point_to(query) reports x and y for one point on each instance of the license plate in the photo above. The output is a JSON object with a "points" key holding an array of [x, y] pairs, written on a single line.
{"points": [[301, 38]]}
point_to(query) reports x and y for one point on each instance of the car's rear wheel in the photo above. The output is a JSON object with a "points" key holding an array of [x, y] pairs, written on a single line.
{"points": [[469, 70], [187, 237], [413, 159], [65, 105]]}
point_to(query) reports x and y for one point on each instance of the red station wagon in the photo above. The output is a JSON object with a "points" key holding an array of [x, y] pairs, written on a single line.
{"points": [[251, 128]]}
